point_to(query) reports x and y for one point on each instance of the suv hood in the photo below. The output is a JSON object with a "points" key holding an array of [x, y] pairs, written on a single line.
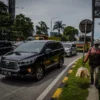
{"points": [[17, 56]]}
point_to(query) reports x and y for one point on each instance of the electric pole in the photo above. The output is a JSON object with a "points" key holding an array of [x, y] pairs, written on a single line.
{"points": [[93, 22], [11, 10]]}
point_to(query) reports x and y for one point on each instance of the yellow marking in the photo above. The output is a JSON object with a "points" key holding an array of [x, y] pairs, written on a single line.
{"points": [[57, 93], [65, 79], [70, 71], [73, 66], [47, 62], [75, 63]]}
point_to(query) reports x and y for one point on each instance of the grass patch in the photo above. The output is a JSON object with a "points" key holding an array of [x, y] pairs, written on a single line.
{"points": [[76, 88]]}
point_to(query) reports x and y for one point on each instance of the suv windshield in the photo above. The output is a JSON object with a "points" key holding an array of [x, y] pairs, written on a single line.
{"points": [[30, 47], [67, 45]]}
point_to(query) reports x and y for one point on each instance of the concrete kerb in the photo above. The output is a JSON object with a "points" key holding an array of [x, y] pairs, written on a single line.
{"points": [[58, 91]]}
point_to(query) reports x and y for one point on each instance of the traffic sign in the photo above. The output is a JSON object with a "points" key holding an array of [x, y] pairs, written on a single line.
{"points": [[86, 26]]}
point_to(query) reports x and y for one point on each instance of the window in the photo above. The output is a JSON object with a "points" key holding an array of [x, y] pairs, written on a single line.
{"points": [[59, 45], [73, 45], [30, 47], [51, 46], [8, 44]]}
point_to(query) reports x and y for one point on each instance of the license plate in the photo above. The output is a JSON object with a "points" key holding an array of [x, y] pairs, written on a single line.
{"points": [[6, 73]]}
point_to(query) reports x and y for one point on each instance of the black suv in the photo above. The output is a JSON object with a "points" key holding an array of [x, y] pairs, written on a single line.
{"points": [[33, 58], [5, 46]]}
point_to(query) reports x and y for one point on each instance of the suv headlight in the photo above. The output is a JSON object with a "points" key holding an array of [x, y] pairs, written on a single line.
{"points": [[25, 62]]}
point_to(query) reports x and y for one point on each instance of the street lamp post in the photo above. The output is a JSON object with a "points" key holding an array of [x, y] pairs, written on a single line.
{"points": [[51, 22]]}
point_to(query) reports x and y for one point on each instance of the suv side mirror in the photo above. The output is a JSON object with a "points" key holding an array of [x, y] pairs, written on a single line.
{"points": [[48, 50]]}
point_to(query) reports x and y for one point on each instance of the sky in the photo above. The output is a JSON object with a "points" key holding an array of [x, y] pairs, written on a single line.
{"points": [[70, 12]]}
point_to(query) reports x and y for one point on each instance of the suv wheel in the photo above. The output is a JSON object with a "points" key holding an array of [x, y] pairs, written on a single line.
{"points": [[70, 54], [61, 61], [39, 73], [76, 53]]}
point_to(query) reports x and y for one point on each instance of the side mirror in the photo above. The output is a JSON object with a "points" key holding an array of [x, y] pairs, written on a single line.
{"points": [[48, 50]]}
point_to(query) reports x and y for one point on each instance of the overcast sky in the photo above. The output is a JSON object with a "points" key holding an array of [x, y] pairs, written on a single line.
{"points": [[70, 12]]}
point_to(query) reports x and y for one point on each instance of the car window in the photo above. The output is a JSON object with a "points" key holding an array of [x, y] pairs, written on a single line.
{"points": [[59, 45], [2, 44], [51, 46], [8, 44], [73, 45], [67, 45], [30, 47]]}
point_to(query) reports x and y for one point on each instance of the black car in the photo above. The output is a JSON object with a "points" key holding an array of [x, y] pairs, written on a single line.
{"points": [[33, 58], [5, 47]]}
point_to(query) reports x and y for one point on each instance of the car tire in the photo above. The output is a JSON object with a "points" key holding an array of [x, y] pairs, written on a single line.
{"points": [[60, 63], [76, 53], [70, 54], [39, 73]]}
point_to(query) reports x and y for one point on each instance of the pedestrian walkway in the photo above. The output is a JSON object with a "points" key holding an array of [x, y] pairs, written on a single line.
{"points": [[93, 93]]}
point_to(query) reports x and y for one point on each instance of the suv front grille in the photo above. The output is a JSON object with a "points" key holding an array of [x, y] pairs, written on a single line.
{"points": [[9, 64]]}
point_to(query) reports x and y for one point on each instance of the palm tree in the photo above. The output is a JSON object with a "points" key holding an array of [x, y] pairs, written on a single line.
{"points": [[42, 28], [59, 26]]}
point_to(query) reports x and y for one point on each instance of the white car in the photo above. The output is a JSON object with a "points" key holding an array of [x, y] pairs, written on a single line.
{"points": [[70, 48]]}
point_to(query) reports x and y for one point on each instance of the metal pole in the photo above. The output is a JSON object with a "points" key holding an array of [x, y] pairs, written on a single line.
{"points": [[51, 24], [92, 35], [84, 39]]}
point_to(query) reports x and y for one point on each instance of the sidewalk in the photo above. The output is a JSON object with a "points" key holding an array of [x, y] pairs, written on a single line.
{"points": [[93, 93]]}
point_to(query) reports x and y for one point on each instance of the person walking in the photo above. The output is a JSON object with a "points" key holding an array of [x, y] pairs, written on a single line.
{"points": [[94, 61]]}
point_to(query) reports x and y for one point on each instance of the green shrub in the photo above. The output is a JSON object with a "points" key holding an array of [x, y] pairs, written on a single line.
{"points": [[76, 88]]}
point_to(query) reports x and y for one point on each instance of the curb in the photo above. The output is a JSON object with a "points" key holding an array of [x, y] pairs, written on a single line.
{"points": [[58, 91]]}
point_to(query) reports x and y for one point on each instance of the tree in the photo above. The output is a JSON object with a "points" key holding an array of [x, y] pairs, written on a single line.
{"points": [[59, 26], [64, 38], [23, 26], [70, 32], [5, 19], [42, 28]]}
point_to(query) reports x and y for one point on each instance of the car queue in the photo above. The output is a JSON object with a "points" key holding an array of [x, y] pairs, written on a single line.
{"points": [[35, 57]]}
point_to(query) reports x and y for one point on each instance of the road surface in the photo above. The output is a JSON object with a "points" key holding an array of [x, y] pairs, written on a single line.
{"points": [[27, 88]]}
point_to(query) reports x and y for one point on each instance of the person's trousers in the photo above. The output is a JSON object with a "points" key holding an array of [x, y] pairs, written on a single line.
{"points": [[94, 74]]}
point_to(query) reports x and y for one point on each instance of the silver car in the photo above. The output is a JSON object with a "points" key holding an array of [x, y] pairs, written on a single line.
{"points": [[70, 49]]}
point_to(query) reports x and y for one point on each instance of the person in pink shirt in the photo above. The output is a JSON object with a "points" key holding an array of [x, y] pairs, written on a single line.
{"points": [[94, 61]]}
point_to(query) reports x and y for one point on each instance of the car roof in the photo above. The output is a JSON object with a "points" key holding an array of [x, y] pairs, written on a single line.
{"points": [[68, 43], [44, 41]]}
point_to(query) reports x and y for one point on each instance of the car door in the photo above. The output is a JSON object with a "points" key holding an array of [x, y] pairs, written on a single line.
{"points": [[48, 60], [55, 53]]}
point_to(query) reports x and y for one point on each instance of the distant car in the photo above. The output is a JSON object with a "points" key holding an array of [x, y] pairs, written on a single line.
{"points": [[70, 49], [33, 58], [5, 47], [30, 39]]}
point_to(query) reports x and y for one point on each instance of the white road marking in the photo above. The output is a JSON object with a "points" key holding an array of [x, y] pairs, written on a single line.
{"points": [[47, 90]]}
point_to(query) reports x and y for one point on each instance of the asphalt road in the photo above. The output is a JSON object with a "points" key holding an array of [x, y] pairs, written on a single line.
{"points": [[27, 88]]}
